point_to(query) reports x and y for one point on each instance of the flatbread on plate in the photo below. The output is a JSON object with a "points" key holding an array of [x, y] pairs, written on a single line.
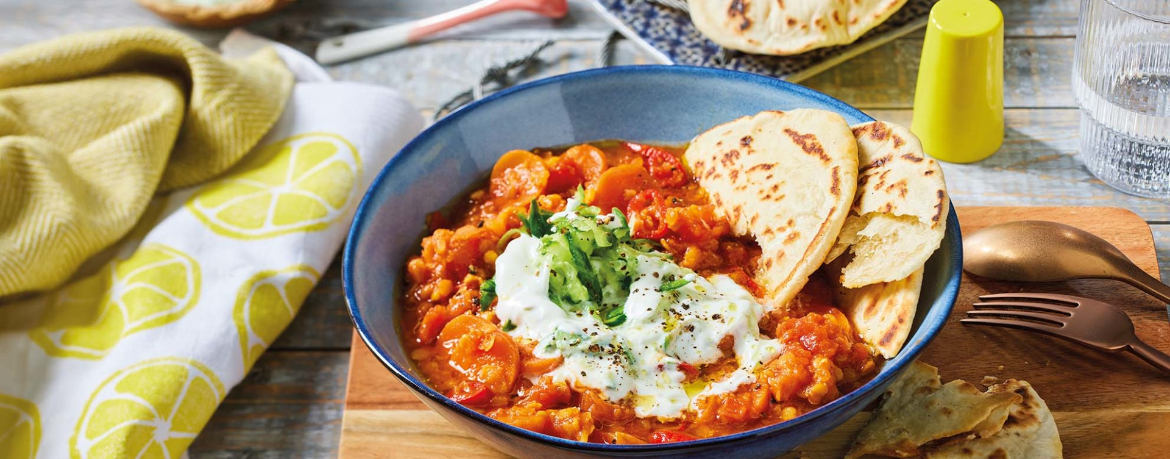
{"points": [[785, 27], [918, 409], [786, 179], [898, 218]]}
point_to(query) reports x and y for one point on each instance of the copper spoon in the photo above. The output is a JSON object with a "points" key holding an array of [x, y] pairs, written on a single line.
{"points": [[367, 42], [1039, 251]]}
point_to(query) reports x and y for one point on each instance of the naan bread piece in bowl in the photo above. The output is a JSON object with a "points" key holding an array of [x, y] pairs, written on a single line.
{"points": [[898, 217], [882, 313], [895, 224], [786, 179], [786, 27]]}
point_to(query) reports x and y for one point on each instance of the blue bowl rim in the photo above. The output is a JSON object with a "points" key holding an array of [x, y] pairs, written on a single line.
{"points": [[908, 354]]}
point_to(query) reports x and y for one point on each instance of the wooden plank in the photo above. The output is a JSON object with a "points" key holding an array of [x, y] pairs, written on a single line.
{"points": [[1036, 70], [289, 405], [1039, 18], [323, 322], [1125, 391], [1162, 241], [1037, 73], [430, 75], [369, 392]]}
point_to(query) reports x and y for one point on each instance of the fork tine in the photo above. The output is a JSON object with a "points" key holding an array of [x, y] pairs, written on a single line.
{"points": [[1074, 301], [1032, 326], [1009, 314], [1059, 309]]}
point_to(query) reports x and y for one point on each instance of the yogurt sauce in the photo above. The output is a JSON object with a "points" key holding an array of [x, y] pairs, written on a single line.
{"points": [[639, 358]]}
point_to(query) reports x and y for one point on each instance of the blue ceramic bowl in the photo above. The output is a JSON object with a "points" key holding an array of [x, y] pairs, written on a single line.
{"points": [[667, 104]]}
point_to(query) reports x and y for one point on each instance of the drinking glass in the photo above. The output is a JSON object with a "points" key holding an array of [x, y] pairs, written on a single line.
{"points": [[1121, 78]]}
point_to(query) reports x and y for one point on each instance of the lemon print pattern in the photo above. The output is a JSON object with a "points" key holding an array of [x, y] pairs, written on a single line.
{"points": [[296, 185], [266, 304], [150, 410], [154, 286], [20, 428]]}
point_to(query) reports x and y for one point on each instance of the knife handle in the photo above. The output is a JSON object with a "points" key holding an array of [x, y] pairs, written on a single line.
{"points": [[367, 42]]}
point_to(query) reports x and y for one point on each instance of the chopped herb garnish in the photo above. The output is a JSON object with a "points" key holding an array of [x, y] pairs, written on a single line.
{"points": [[614, 317], [536, 222], [673, 285], [625, 223], [508, 326], [487, 294]]}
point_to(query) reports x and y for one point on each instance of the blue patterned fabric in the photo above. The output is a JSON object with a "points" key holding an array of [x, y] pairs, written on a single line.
{"points": [[669, 34]]}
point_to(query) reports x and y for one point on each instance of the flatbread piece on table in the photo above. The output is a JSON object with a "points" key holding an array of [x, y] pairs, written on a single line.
{"points": [[898, 218], [1029, 432], [786, 27], [918, 409], [786, 179]]}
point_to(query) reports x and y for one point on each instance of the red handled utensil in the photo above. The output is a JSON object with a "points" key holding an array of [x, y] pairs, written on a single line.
{"points": [[364, 43]]}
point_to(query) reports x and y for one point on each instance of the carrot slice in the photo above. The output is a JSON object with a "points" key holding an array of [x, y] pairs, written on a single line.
{"points": [[613, 184], [481, 352], [588, 159], [518, 176]]}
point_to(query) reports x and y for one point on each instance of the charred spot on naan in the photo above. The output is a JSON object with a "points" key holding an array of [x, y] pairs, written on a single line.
{"points": [[738, 11], [808, 143]]}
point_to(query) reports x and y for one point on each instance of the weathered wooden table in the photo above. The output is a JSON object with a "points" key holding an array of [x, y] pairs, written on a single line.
{"points": [[291, 403]]}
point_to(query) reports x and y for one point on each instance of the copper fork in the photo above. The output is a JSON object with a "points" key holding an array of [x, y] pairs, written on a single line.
{"points": [[1093, 323]]}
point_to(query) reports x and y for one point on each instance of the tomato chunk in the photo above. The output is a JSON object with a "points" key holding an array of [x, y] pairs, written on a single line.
{"points": [[473, 394], [647, 215], [666, 168], [562, 175], [670, 436]]}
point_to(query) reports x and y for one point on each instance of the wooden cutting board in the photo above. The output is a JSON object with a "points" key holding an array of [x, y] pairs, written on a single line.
{"points": [[1106, 405]]}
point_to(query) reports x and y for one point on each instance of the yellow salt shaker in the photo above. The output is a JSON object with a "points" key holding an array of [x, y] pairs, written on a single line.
{"points": [[958, 103]]}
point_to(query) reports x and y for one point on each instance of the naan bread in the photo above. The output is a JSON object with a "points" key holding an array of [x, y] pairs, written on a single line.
{"points": [[785, 27], [882, 313], [1029, 432], [786, 179], [899, 215], [918, 409]]}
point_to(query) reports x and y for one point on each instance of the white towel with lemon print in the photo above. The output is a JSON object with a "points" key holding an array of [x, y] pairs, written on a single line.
{"points": [[131, 358]]}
